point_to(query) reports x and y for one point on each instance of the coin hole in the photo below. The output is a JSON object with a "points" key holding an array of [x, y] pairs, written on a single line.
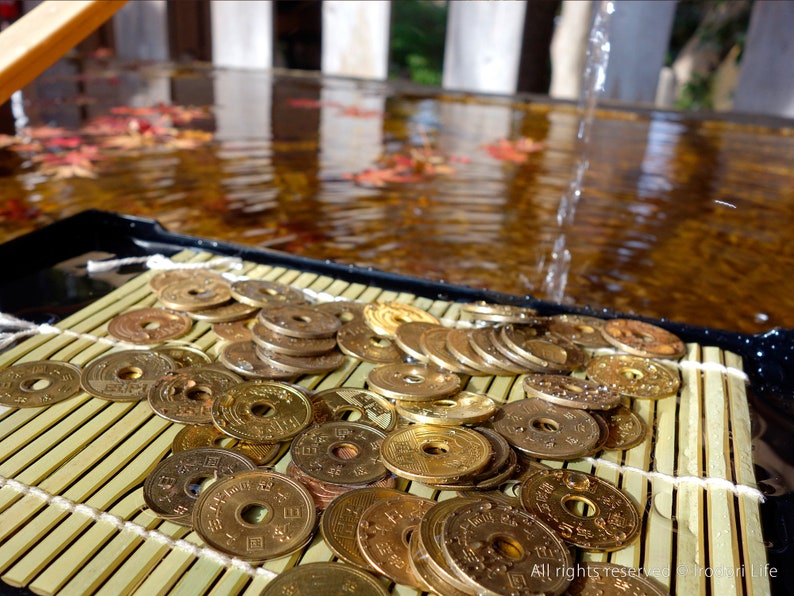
{"points": [[407, 535], [199, 293], [546, 425], [198, 484], [36, 384], [403, 319], [414, 379], [344, 451], [255, 513], [585, 328], [199, 393], [507, 547], [351, 414], [129, 373], [149, 325], [268, 291], [572, 388], [632, 374], [445, 403], [302, 319], [224, 442], [263, 410], [379, 342], [579, 506], [435, 448], [345, 317]]}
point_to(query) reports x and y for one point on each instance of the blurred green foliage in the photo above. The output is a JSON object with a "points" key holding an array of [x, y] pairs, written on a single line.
{"points": [[418, 28]]}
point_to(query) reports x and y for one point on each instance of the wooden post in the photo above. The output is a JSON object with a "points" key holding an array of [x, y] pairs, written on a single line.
{"points": [[242, 33], [568, 46], [356, 39], [141, 31]]}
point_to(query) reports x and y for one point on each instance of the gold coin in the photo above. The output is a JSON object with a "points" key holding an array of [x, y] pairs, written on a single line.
{"points": [[38, 383], [625, 428], [340, 452], [459, 346], [464, 407], [553, 353], [241, 357], [260, 293], [435, 454], [417, 558], [486, 535], [195, 294], [634, 376], [306, 365], [346, 311], [324, 579], [183, 355], [412, 382], [234, 330], [186, 395], [407, 337], [262, 411], [170, 276], [324, 493], [499, 313], [584, 331], [172, 487], [339, 521], [255, 515], [585, 510], [367, 406], [571, 392], [360, 341], [223, 313], [544, 430], [434, 345], [482, 342], [299, 321], [643, 339], [385, 317], [383, 532], [291, 346], [193, 436], [593, 578], [149, 325], [499, 468], [127, 375]]}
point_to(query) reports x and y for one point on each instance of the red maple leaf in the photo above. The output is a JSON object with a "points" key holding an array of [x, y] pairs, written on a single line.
{"points": [[514, 151]]}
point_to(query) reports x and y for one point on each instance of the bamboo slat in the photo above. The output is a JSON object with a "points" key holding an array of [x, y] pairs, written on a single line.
{"points": [[73, 520]]}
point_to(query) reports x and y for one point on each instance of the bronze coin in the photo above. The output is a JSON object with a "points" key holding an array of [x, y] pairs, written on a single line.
{"points": [[434, 345], [195, 294], [223, 313], [499, 313], [367, 406], [459, 346], [234, 330], [183, 355], [643, 339], [241, 357], [412, 382], [170, 276], [149, 325], [279, 343], [482, 342], [553, 353], [584, 331], [126, 375], [193, 436], [306, 365], [407, 337], [299, 321], [417, 558], [634, 376], [625, 429], [571, 392], [360, 341], [385, 317], [464, 407], [38, 383], [326, 579], [186, 395], [260, 293]]}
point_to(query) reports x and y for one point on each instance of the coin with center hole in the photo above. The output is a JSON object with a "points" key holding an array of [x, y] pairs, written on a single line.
{"points": [[184, 355], [299, 321], [234, 330], [223, 313], [193, 436], [643, 339], [360, 341], [552, 352], [195, 294], [186, 395], [464, 407], [127, 375], [170, 276], [346, 311], [499, 313], [412, 382], [261, 293], [291, 346], [434, 345], [634, 376], [593, 578], [385, 317], [571, 392], [582, 330], [625, 428], [149, 325], [408, 336], [329, 579], [38, 383], [241, 357], [306, 365], [359, 405]]}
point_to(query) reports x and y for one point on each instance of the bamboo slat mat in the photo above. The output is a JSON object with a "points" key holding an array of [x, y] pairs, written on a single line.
{"points": [[73, 519]]}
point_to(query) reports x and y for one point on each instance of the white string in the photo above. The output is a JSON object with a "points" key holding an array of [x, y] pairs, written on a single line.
{"points": [[737, 489], [13, 329], [161, 263], [124, 525]]}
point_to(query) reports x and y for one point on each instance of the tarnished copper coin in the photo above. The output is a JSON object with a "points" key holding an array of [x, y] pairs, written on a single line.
{"points": [[341, 452], [339, 521], [184, 355], [149, 325], [435, 454], [625, 428], [256, 515], [359, 405], [306, 365], [224, 313], [360, 341], [484, 539], [328, 579], [584, 331], [165, 278], [260, 293], [171, 489], [279, 343], [385, 317], [126, 375], [193, 436], [643, 339], [408, 336], [241, 357], [383, 533], [234, 330], [186, 395], [634, 376], [38, 383], [571, 392], [434, 345], [593, 578], [299, 321], [541, 429], [195, 294], [262, 411], [499, 313], [464, 407], [412, 382], [585, 510]]}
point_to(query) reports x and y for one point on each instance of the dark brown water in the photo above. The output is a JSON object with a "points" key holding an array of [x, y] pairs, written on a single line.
{"points": [[680, 217]]}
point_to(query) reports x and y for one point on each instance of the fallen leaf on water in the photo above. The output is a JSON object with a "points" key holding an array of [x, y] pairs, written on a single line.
{"points": [[514, 151], [17, 210]]}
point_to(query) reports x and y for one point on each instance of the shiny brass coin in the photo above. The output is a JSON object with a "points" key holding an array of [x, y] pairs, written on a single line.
{"points": [[634, 376], [224, 313], [591, 578], [186, 395], [38, 383], [359, 405], [341, 452], [482, 342], [149, 325], [541, 429], [484, 537], [279, 343], [255, 515], [417, 558], [299, 321], [127, 375], [499, 313], [326, 579], [306, 365], [481, 482], [339, 521], [193, 436], [459, 346], [171, 489], [604, 430], [171, 276], [435, 454], [385, 317], [434, 345], [502, 458], [241, 357], [262, 411], [346, 311], [571, 392], [464, 407], [184, 355], [412, 382], [643, 339], [625, 429], [360, 341], [585, 510], [553, 353], [582, 330], [234, 330], [261, 293], [195, 294], [383, 533], [407, 337]]}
